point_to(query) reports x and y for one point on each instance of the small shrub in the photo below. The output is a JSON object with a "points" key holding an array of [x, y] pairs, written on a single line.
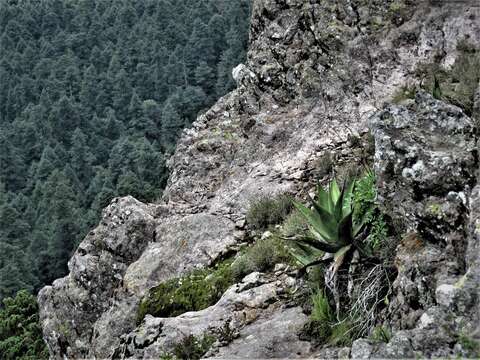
{"points": [[295, 224], [193, 292], [378, 233], [382, 334], [323, 327], [321, 310], [225, 334], [269, 211], [193, 348], [262, 256], [341, 334], [364, 196]]}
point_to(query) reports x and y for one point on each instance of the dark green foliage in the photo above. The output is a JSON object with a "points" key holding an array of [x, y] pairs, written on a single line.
{"points": [[20, 332], [333, 228], [93, 97], [193, 348], [196, 291], [364, 195], [269, 211], [323, 327], [262, 256]]}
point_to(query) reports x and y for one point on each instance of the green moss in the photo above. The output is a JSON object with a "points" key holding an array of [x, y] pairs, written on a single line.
{"points": [[196, 291], [64, 329], [269, 211], [396, 6], [261, 256], [398, 12], [376, 23]]}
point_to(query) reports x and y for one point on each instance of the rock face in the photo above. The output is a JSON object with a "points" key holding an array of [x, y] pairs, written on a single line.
{"points": [[427, 165], [316, 72], [250, 308]]}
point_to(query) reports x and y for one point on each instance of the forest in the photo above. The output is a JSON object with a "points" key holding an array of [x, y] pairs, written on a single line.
{"points": [[93, 96]]}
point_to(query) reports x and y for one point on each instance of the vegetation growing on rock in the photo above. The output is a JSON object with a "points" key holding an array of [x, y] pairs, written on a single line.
{"points": [[261, 256], [195, 291], [190, 348], [346, 224], [269, 211]]}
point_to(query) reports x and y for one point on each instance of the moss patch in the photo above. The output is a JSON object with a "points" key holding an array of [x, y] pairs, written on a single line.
{"points": [[196, 291]]}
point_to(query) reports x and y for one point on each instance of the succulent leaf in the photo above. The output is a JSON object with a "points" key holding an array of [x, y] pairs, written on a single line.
{"points": [[323, 199], [334, 192], [319, 222]]}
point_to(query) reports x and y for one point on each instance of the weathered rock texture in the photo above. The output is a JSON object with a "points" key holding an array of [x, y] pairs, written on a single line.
{"points": [[316, 72], [426, 161]]}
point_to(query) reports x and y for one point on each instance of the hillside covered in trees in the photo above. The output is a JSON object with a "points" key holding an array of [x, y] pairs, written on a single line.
{"points": [[93, 95]]}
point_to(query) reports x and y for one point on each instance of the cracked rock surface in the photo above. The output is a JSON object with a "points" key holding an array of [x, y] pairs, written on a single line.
{"points": [[317, 71]]}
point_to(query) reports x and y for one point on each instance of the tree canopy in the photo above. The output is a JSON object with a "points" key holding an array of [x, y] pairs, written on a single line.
{"points": [[94, 95]]}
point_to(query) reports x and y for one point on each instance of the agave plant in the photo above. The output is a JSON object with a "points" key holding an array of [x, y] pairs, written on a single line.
{"points": [[334, 235]]}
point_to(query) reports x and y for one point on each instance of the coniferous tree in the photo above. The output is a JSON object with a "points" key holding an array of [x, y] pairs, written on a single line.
{"points": [[94, 96]]}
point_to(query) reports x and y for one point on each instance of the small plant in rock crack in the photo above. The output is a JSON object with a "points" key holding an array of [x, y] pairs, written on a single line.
{"points": [[382, 334], [334, 236], [323, 326], [225, 334], [192, 347], [267, 211]]}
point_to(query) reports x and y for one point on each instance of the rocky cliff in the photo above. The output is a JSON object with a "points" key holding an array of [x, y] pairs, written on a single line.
{"points": [[318, 83]]}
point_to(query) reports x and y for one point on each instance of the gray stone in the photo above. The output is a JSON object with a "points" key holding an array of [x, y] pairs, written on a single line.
{"points": [[316, 71], [251, 308]]}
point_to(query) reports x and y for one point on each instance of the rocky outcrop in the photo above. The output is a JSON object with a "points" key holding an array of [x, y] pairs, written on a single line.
{"points": [[249, 308], [426, 161], [316, 72]]}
